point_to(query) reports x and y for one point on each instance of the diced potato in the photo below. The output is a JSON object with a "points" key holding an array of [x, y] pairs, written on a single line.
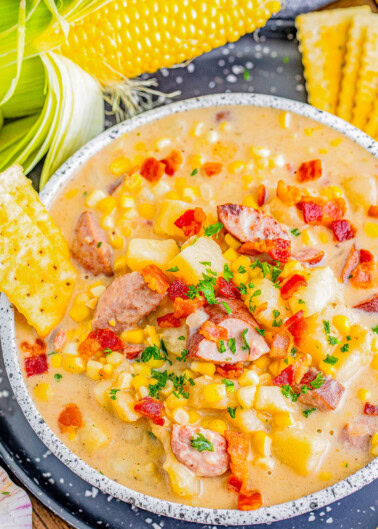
{"points": [[188, 261], [247, 420], [270, 295], [171, 339], [93, 437], [321, 289], [169, 212], [142, 252], [358, 354], [301, 451], [283, 213], [197, 397], [123, 407], [270, 399], [362, 191], [101, 393]]}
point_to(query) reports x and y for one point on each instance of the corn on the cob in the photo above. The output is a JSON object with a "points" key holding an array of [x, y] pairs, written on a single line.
{"points": [[128, 37]]}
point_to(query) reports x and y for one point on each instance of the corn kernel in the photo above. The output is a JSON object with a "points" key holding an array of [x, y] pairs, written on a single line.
{"points": [[56, 360], [133, 182], [151, 335], [217, 425], [124, 381], [73, 364], [155, 363], [277, 161], [309, 131], [374, 362], [246, 396], [259, 152], [94, 197], [327, 368], [282, 419], [249, 378], [336, 142], [140, 146], [180, 416], [323, 237], [235, 167], [197, 129], [274, 368], [374, 440], [261, 443], [364, 394], [127, 214], [242, 260], [133, 336], [180, 183], [191, 193], [112, 322], [284, 119], [107, 205], [43, 391], [374, 450], [161, 143], [250, 202], [230, 254], [196, 160], [120, 264], [114, 358], [342, 323], [306, 237], [205, 368], [126, 202], [70, 348], [374, 344], [225, 126], [79, 312], [172, 195], [142, 369], [261, 362], [173, 402], [140, 380], [214, 392], [120, 165], [147, 211], [247, 180], [325, 476], [265, 379], [371, 229], [239, 278], [107, 222], [93, 369], [231, 241], [194, 416]]}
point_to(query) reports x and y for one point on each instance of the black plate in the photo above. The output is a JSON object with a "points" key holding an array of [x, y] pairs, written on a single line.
{"points": [[274, 67]]}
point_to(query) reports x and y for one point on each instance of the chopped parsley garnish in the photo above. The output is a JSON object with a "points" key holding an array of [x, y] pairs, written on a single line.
{"points": [[232, 412], [301, 302], [344, 348], [245, 347], [173, 269], [53, 353], [99, 244], [293, 351], [153, 352], [5, 493], [221, 346], [205, 263], [327, 327], [243, 289], [162, 377], [227, 273], [232, 345], [348, 338], [276, 322], [331, 360], [286, 361], [306, 413], [246, 75], [286, 60], [289, 393], [113, 394], [260, 331], [152, 436], [230, 386], [85, 193], [58, 377], [200, 443], [181, 338], [241, 269], [227, 307], [318, 381], [194, 172], [375, 329], [332, 340], [266, 268], [184, 354], [295, 232], [213, 229], [304, 388], [107, 351]]}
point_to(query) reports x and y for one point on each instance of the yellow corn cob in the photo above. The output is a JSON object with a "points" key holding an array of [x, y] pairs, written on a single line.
{"points": [[372, 125], [126, 38], [322, 37]]}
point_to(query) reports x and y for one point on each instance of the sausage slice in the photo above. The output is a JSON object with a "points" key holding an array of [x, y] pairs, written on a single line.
{"points": [[240, 324], [248, 224], [90, 247], [324, 398], [200, 460], [126, 301]]}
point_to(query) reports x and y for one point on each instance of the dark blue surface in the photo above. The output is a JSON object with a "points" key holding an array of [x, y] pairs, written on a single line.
{"points": [[274, 67]]}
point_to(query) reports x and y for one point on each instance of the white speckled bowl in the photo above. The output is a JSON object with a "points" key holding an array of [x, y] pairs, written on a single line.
{"points": [[8, 341]]}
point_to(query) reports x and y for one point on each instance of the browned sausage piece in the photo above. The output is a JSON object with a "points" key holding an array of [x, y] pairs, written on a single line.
{"points": [[207, 458], [248, 224], [370, 305], [324, 398], [359, 432], [90, 247], [126, 300], [240, 324], [310, 256]]}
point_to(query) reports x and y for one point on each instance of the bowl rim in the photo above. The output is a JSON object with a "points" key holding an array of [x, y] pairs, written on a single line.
{"points": [[179, 511]]}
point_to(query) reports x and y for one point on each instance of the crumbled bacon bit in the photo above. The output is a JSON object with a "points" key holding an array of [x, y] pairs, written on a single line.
{"points": [[371, 409], [350, 264], [280, 344], [35, 349], [370, 305], [311, 170], [184, 306], [373, 211], [106, 339], [151, 408], [289, 195], [228, 289], [70, 418], [230, 371], [191, 221], [250, 502], [36, 364], [277, 249], [366, 256], [178, 289], [168, 321], [343, 230], [152, 170], [293, 319], [362, 276], [312, 212], [213, 332], [285, 377], [60, 340], [212, 168], [172, 162], [156, 280], [261, 195], [298, 327], [333, 210], [291, 285], [88, 348]]}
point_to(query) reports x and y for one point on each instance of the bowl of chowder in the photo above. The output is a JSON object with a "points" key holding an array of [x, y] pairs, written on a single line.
{"points": [[221, 341]]}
